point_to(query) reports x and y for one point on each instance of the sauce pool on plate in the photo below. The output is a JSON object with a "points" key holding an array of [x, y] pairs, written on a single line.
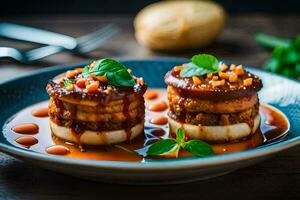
{"points": [[150, 95], [27, 141], [58, 150], [158, 107], [26, 128], [273, 125], [159, 120], [42, 112]]}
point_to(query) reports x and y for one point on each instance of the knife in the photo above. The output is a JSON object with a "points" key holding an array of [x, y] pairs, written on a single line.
{"points": [[30, 34]]}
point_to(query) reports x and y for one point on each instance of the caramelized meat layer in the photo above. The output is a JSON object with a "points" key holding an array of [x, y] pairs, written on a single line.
{"points": [[212, 119], [194, 105], [103, 95], [83, 117], [78, 125], [105, 108], [226, 97], [67, 111], [216, 86]]}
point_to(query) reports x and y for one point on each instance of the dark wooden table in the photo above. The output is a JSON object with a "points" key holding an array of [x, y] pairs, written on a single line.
{"points": [[276, 178]]}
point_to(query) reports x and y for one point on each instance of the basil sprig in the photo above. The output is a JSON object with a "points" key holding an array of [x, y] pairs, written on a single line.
{"points": [[196, 147], [201, 64], [162, 147], [285, 58], [115, 72]]}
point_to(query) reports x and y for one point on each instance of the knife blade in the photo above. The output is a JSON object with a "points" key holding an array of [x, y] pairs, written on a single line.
{"points": [[30, 34]]}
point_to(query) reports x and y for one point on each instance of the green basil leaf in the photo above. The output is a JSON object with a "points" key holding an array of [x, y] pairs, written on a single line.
{"points": [[296, 43], [115, 72], [206, 61], [272, 65], [288, 72], [162, 147], [85, 71], [271, 41], [98, 73], [198, 148], [68, 82], [201, 64], [180, 135], [285, 58], [291, 56], [278, 53], [191, 71], [297, 69], [108, 65], [120, 78]]}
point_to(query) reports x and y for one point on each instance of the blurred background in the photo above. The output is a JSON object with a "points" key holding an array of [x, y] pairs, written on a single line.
{"points": [[21, 7], [236, 41]]}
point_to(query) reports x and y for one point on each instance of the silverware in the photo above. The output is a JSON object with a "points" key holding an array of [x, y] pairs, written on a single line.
{"points": [[29, 56], [30, 34], [84, 44]]}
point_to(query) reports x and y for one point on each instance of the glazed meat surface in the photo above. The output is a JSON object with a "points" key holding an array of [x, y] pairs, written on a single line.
{"points": [[228, 96], [176, 102], [218, 89], [106, 108], [69, 111], [212, 119], [103, 95]]}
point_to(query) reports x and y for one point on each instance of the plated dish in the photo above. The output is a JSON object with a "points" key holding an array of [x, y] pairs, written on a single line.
{"points": [[90, 109], [217, 107], [118, 146]]}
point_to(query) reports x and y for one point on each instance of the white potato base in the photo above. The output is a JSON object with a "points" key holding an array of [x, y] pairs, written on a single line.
{"points": [[95, 137], [216, 133]]}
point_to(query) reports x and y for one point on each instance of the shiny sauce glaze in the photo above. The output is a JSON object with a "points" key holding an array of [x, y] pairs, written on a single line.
{"points": [[273, 126], [27, 141], [41, 112], [186, 87], [26, 128], [58, 150], [150, 95], [159, 120], [158, 106]]}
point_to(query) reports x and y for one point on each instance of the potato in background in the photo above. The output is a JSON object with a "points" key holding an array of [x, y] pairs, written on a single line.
{"points": [[178, 25]]}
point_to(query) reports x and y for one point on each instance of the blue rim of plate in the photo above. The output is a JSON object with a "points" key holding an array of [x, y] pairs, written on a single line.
{"points": [[192, 162]]}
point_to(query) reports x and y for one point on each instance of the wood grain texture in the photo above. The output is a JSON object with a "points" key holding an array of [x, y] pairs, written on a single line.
{"points": [[276, 178]]}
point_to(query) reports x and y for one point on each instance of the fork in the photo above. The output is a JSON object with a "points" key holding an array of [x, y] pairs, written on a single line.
{"points": [[85, 44]]}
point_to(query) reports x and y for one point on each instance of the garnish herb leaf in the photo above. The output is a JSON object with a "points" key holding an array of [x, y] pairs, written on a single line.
{"points": [[120, 78], [180, 135], [206, 61], [85, 71], [198, 148], [116, 73], [162, 147], [272, 65], [201, 64], [270, 41], [105, 65], [68, 82], [191, 71], [285, 57]]}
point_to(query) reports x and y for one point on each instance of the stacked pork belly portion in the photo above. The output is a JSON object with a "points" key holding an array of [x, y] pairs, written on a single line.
{"points": [[91, 111], [220, 106]]}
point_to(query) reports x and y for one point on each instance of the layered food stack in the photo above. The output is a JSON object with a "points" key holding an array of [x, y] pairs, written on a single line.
{"points": [[99, 104], [213, 101]]}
